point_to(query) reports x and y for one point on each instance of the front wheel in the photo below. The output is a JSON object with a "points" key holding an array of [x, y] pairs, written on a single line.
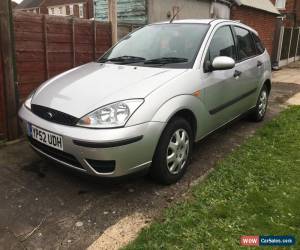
{"points": [[260, 109], [173, 153]]}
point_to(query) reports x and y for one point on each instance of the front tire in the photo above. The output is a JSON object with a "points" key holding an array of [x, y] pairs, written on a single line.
{"points": [[260, 109], [173, 153]]}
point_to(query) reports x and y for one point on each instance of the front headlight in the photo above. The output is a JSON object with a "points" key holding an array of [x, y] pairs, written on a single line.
{"points": [[111, 116], [27, 103]]}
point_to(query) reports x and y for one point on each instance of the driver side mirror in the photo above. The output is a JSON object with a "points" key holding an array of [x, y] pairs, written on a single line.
{"points": [[220, 63]]}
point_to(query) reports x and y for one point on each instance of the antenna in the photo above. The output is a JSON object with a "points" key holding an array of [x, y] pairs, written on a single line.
{"points": [[176, 14]]}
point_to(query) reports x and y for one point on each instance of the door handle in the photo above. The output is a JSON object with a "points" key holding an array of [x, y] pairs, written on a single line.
{"points": [[259, 64], [237, 74]]}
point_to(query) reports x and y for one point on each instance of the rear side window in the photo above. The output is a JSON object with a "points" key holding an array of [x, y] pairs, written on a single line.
{"points": [[259, 45], [222, 44], [246, 47]]}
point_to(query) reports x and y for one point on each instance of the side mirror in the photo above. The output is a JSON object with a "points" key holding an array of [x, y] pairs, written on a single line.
{"points": [[222, 63]]}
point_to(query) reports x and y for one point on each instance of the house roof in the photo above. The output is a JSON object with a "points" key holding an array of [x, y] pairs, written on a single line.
{"points": [[61, 2], [26, 4], [265, 5]]}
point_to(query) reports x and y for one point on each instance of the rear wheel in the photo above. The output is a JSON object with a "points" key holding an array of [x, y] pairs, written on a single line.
{"points": [[260, 109], [173, 152]]}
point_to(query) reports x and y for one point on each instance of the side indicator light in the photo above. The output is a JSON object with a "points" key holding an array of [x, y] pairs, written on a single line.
{"points": [[197, 93]]}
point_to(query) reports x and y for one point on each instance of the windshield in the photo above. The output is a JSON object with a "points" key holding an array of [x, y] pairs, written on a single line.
{"points": [[169, 45]]}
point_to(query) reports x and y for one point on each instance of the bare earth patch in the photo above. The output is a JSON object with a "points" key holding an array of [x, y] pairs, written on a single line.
{"points": [[294, 100], [121, 233]]}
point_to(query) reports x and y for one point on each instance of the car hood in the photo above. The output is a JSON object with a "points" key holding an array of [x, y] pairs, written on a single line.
{"points": [[88, 87]]}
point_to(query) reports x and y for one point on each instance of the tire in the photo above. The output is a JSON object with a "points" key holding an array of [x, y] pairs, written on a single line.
{"points": [[176, 143], [258, 113]]}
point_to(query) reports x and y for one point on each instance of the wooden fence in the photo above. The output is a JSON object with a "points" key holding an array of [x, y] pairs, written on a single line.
{"points": [[48, 45]]}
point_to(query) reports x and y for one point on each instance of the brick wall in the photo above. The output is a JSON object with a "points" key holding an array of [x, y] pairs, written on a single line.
{"points": [[48, 46], [263, 22], [291, 12]]}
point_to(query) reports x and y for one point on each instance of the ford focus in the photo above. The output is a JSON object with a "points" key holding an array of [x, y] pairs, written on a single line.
{"points": [[147, 100]]}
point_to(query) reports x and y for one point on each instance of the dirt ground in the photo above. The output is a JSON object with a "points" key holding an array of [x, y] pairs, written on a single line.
{"points": [[46, 206]]}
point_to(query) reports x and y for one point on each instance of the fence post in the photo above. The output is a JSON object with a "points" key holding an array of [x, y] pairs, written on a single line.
{"points": [[46, 47], [280, 45], [8, 57], [73, 42], [291, 38], [297, 44], [95, 39], [113, 18]]}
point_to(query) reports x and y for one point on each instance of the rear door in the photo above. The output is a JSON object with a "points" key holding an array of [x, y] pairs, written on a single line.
{"points": [[248, 67]]}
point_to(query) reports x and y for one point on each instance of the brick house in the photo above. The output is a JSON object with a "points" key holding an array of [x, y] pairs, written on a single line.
{"points": [[290, 11], [77, 8], [259, 14]]}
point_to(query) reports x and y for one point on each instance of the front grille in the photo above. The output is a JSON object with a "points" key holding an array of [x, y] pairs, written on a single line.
{"points": [[53, 115], [55, 153]]}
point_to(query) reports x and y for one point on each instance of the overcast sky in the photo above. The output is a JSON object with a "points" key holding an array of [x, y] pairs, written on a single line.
{"points": [[18, 1]]}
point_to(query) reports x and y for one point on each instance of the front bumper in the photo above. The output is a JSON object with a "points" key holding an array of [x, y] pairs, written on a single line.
{"points": [[128, 149]]}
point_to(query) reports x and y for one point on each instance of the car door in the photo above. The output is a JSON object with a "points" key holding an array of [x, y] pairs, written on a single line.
{"points": [[220, 87], [262, 61], [248, 67]]}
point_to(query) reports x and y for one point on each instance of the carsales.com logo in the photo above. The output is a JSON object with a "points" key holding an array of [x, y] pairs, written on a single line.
{"points": [[267, 241]]}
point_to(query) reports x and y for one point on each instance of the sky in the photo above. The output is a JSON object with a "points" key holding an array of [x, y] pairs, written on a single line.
{"points": [[18, 1]]}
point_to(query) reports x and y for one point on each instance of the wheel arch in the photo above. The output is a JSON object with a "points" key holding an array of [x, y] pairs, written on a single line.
{"points": [[188, 107], [189, 116], [268, 84]]}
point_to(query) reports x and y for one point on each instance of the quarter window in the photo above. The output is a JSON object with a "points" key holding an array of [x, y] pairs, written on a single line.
{"points": [[222, 44], [259, 45], [246, 47]]}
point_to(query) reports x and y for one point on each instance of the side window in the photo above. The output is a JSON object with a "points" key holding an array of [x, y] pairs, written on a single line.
{"points": [[246, 47], [259, 45], [222, 44]]}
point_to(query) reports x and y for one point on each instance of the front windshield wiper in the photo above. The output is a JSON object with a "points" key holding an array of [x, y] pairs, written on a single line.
{"points": [[166, 60], [123, 59]]}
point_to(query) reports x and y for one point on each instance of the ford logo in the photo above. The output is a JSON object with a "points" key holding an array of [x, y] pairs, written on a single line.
{"points": [[50, 115]]}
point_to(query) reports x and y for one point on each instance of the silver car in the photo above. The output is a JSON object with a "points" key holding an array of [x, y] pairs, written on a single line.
{"points": [[149, 98]]}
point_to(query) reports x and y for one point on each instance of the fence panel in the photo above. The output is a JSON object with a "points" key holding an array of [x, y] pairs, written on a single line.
{"points": [[2, 103], [294, 43], [290, 46], [48, 45], [286, 43]]}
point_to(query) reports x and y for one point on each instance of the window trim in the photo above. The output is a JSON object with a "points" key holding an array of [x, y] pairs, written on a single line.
{"points": [[257, 50], [237, 44]]}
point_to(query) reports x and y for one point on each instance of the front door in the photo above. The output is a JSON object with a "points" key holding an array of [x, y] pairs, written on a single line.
{"points": [[221, 87]]}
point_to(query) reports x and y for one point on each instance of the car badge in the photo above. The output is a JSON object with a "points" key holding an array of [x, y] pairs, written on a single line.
{"points": [[50, 115]]}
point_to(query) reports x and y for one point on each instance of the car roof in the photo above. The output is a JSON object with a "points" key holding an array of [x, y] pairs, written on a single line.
{"points": [[211, 22]]}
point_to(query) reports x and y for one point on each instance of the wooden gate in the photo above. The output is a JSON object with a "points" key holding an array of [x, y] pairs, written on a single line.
{"points": [[289, 45]]}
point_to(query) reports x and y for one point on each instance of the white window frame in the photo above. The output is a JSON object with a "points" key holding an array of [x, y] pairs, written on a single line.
{"points": [[71, 10], [280, 4], [81, 15]]}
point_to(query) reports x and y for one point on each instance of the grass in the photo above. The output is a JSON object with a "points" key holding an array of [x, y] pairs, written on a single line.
{"points": [[254, 191]]}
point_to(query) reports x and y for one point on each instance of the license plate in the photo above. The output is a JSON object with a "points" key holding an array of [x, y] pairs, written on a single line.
{"points": [[45, 137]]}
